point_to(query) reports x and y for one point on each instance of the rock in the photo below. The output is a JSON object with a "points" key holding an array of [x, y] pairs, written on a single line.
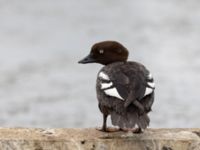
{"points": [[91, 139]]}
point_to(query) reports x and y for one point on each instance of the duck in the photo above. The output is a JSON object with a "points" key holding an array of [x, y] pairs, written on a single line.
{"points": [[125, 89]]}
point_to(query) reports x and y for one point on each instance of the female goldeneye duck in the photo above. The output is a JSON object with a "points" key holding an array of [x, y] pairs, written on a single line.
{"points": [[125, 89]]}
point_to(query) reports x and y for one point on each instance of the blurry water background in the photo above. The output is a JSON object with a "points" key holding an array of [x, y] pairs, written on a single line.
{"points": [[41, 84]]}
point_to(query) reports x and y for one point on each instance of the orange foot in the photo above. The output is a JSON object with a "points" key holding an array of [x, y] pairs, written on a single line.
{"points": [[109, 129], [134, 130]]}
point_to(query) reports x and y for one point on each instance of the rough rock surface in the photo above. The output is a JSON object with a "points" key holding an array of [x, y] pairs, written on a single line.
{"points": [[91, 139]]}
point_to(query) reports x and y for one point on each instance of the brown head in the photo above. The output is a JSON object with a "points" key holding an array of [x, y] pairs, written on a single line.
{"points": [[106, 52]]}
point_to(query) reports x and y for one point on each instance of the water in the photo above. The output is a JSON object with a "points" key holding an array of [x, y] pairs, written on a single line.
{"points": [[41, 84]]}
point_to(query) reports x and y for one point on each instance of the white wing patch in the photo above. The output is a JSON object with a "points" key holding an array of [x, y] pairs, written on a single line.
{"points": [[106, 85], [103, 76], [151, 84], [150, 76], [148, 91], [113, 92]]}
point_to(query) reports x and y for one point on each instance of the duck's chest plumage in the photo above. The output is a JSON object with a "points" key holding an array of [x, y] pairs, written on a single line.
{"points": [[120, 81]]}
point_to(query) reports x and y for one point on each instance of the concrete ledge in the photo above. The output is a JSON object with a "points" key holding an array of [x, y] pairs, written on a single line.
{"points": [[91, 139]]}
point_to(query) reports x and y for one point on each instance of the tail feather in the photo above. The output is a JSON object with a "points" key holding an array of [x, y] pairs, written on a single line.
{"points": [[129, 117], [143, 121], [130, 120]]}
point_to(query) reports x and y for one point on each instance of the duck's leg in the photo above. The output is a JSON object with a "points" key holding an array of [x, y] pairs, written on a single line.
{"points": [[104, 127]]}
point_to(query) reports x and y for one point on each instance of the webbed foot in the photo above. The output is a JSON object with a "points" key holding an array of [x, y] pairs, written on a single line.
{"points": [[133, 130], [109, 129]]}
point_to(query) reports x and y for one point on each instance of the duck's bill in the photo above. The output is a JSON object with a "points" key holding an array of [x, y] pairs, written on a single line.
{"points": [[86, 60]]}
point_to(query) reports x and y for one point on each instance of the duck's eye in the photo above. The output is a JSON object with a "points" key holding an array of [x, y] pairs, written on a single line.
{"points": [[101, 51]]}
